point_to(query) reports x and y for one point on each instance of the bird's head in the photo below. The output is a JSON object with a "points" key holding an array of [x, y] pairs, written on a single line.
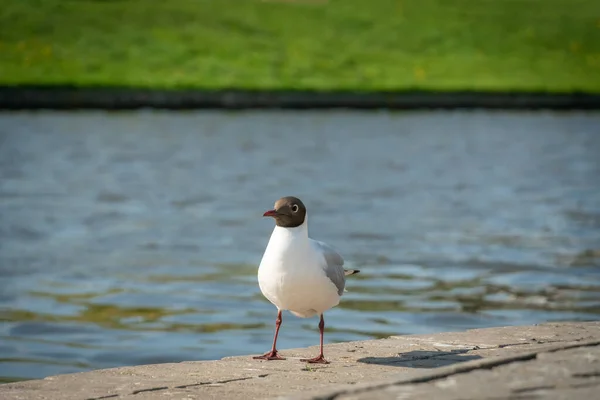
{"points": [[288, 212]]}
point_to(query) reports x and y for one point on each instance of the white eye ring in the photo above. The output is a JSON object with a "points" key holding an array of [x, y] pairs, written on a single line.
{"points": [[295, 208]]}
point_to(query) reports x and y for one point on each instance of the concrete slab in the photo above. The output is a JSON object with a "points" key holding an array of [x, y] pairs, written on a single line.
{"points": [[475, 364], [571, 373]]}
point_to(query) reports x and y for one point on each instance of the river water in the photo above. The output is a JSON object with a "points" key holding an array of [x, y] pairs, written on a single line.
{"points": [[131, 238]]}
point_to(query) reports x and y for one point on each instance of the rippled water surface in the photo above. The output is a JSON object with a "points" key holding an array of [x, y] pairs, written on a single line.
{"points": [[131, 238]]}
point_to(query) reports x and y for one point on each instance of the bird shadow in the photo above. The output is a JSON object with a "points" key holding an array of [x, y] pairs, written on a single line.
{"points": [[422, 359]]}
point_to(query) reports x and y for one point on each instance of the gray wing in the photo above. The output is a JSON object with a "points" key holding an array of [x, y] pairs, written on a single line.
{"points": [[334, 265]]}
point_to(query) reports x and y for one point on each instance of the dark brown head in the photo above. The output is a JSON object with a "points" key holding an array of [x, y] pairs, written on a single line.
{"points": [[289, 212]]}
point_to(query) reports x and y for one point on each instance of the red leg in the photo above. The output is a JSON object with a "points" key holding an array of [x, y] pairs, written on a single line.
{"points": [[273, 354], [320, 359]]}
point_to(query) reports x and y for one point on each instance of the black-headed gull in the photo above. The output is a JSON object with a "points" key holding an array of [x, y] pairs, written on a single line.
{"points": [[297, 273]]}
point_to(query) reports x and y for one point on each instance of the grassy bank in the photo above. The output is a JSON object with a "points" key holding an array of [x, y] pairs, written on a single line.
{"points": [[547, 45]]}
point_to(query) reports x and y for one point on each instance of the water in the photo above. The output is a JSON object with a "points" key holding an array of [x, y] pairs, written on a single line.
{"points": [[131, 238]]}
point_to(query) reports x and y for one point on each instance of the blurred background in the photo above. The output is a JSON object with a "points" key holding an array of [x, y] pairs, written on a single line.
{"points": [[135, 237]]}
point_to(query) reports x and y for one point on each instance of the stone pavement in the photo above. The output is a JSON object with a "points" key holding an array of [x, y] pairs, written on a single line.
{"points": [[562, 374], [554, 361]]}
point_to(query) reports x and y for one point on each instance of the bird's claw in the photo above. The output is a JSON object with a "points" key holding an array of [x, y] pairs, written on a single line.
{"points": [[317, 360], [269, 355]]}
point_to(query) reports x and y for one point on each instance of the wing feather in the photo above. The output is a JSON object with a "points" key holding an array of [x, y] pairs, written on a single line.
{"points": [[334, 265]]}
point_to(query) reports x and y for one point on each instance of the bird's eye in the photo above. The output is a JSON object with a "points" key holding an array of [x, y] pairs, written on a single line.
{"points": [[294, 207]]}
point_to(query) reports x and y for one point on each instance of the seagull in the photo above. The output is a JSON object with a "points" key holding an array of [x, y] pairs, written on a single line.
{"points": [[297, 273]]}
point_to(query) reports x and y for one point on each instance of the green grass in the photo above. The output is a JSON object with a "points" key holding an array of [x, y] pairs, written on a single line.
{"points": [[498, 45]]}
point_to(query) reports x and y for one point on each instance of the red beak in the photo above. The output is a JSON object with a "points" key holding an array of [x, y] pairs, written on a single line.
{"points": [[270, 213]]}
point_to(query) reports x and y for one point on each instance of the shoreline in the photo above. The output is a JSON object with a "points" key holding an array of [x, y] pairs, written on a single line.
{"points": [[105, 98], [554, 360]]}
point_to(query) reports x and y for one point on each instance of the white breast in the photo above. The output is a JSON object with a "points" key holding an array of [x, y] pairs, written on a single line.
{"points": [[291, 274]]}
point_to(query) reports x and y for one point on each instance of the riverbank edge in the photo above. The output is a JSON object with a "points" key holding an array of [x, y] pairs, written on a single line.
{"points": [[356, 369], [107, 98]]}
